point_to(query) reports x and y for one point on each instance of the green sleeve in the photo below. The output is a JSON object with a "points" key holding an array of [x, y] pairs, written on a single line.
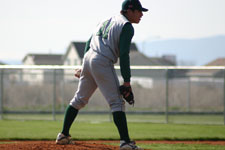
{"points": [[124, 46], [87, 46]]}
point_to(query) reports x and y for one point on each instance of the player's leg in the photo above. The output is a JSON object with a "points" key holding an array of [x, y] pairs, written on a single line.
{"points": [[119, 118], [85, 89], [108, 83], [70, 115], [120, 121]]}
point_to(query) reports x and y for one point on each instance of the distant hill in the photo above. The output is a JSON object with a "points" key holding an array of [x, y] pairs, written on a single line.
{"points": [[188, 51], [199, 51], [12, 62]]}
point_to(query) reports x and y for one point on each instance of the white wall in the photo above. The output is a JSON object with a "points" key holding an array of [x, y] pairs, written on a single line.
{"points": [[32, 76], [28, 61], [72, 57]]}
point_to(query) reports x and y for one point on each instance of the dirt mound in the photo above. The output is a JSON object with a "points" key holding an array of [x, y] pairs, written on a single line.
{"points": [[84, 145], [50, 145]]}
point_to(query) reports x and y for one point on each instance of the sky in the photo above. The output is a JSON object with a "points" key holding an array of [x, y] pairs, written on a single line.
{"points": [[48, 26]]}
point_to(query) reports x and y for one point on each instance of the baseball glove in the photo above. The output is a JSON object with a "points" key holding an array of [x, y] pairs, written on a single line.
{"points": [[127, 93]]}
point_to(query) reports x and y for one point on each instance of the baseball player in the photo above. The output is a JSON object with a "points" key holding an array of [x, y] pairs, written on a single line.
{"points": [[111, 40]]}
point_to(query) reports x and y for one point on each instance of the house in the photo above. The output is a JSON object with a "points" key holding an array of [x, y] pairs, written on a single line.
{"points": [[73, 57], [36, 75], [215, 73], [137, 58], [1, 63], [43, 59], [75, 53], [11, 75]]}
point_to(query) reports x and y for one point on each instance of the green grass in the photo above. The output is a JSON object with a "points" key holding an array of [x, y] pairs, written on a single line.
{"points": [[47, 130], [181, 147], [197, 119], [94, 130], [178, 119]]}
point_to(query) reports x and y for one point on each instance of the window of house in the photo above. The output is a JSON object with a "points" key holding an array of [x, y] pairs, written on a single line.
{"points": [[68, 62], [75, 61]]}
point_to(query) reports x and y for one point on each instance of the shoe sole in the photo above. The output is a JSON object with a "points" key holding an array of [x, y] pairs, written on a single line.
{"points": [[131, 149], [64, 142]]}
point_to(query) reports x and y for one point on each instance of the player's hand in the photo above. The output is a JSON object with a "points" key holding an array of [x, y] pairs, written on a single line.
{"points": [[126, 84], [126, 92], [77, 73]]}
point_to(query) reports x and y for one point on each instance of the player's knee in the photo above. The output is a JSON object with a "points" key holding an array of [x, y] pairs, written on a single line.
{"points": [[120, 106], [77, 103]]}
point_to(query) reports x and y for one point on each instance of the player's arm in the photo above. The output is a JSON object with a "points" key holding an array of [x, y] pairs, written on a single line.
{"points": [[124, 46], [87, 46]]}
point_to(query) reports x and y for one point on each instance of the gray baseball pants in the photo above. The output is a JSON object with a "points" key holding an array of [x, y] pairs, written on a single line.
{"points": [[98, 71]]}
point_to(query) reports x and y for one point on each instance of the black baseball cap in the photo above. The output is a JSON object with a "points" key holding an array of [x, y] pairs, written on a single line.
{"points": [[133, 4]]}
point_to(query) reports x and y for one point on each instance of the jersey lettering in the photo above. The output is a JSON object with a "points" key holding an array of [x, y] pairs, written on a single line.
{"points": [[104, 30]]}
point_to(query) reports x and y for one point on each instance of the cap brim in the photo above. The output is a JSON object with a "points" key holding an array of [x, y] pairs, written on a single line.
{"points": [[144, 9]]}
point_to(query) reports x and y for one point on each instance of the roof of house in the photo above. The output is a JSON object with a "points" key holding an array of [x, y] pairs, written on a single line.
{"points": [[46, 59], [80, 46], [139, 59], [136, 57], [212, 72], [217, 62]]}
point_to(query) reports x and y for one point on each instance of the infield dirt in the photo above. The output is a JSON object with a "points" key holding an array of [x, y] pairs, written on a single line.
{"points": [[84, 145]]}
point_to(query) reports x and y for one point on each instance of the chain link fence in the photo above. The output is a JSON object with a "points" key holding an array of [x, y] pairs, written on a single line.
{"points": [[189, 95]]}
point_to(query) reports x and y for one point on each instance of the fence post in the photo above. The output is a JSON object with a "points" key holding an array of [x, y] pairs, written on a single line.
{"points": [[189, 95], [167, 96], [1, 94], [54, 94], [62, 95], [224, 96]]}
